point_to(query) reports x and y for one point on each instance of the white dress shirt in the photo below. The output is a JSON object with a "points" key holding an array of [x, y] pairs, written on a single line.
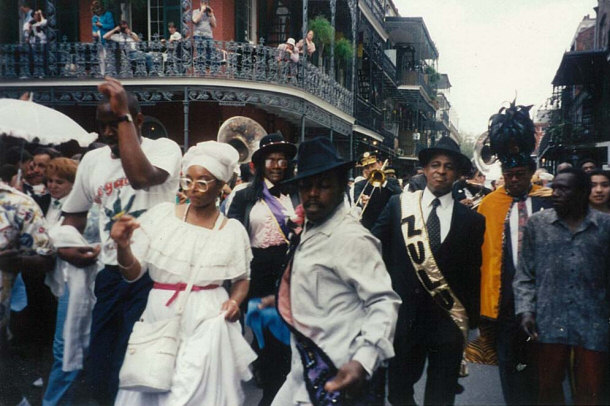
{"points": [[514, 227], [444, 211], [341, 298]]}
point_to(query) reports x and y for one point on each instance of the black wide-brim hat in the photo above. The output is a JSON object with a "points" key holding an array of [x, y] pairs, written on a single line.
{"points": [[318, 156], [448, 147], [274, 142]]}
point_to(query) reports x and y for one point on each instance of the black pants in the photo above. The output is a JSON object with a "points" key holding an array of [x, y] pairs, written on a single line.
{"points": [[273, 363], [119, 305], [438, 340], [519, 385]]}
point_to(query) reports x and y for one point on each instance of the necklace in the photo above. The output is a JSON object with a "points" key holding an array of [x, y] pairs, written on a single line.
{"points": [[186, 213]]}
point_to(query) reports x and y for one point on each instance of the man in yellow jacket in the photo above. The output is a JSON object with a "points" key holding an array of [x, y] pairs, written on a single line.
{"points": [[506, 211]]}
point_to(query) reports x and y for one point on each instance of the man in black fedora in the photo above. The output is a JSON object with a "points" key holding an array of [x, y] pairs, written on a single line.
{"points": [[432, 248], [335, 294]]}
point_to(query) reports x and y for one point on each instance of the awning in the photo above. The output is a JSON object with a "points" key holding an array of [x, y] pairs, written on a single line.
{"points": [[580, 68]]}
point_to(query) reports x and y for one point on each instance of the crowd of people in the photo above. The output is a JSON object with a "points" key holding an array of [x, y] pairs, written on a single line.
{"points": [[120, 50], [125, 265]]}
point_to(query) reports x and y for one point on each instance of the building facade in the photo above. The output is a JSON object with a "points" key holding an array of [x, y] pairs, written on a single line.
{"points": [[578, 113], [371, 84]]}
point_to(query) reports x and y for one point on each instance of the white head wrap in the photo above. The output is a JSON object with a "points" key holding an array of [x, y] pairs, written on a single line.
{"points": [[218, 158]]}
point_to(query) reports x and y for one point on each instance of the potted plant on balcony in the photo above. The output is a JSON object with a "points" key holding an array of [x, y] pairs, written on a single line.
{"points": [[344, 52], [323, 33]]}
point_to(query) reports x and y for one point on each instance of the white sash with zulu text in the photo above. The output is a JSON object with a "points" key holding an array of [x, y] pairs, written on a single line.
{"points": [[415, 235]]}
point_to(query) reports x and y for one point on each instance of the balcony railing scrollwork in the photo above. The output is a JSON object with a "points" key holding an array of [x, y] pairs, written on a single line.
{"points": [[155, 59]]}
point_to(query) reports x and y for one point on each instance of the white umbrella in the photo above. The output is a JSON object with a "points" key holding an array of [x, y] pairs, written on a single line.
{"points": [[34, 122]]}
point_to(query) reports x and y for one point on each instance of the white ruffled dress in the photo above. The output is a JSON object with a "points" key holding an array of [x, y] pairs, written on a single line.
{"points": [[213, 357]]}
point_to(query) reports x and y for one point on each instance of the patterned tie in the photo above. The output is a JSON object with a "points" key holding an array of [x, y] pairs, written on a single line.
{"points": [[434, 227], [522, 211]]}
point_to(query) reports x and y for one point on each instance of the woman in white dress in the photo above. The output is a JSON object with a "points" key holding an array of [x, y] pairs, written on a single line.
{"points": [[170, 240]]}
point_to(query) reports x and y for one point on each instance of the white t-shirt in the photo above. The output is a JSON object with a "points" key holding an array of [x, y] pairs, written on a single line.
{"points": [[102, 180], [175, 37]]}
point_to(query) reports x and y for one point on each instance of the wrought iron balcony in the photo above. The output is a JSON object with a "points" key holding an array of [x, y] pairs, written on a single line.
{"points": [[415, 78], [376, 8], [155, 59], [388, 67]]}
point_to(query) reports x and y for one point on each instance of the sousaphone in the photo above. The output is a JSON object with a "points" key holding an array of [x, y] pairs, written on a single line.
{"points": [[243, 134]]}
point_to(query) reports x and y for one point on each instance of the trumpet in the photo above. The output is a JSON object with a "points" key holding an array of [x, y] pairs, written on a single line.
{"points": [[376, 179]]}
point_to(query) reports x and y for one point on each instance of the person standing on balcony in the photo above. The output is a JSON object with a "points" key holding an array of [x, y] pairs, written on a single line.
{"points": [[288, 51], [129, 176], [311, 46], [205, 22], [102, 21], [28, 13], [35, 28]]}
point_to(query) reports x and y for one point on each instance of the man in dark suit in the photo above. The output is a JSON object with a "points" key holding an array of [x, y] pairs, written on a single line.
{"points": [[427, 327], [374, 197]]}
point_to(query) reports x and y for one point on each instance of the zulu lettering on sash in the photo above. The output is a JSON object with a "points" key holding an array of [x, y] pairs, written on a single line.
{"points": [[430, 276]]}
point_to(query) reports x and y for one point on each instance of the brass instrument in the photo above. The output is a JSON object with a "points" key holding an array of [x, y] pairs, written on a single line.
{"points": [[477, 197], [376, 179], [483, 158], [243, 134]]}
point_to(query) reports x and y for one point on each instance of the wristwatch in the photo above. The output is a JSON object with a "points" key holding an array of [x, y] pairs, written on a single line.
{"points": [[127, 117]]}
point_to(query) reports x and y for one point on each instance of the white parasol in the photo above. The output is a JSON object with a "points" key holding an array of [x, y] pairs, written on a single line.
{"points": [[34, 122]]}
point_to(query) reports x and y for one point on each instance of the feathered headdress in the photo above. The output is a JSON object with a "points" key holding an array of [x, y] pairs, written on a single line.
{"points": [[512, 135]]}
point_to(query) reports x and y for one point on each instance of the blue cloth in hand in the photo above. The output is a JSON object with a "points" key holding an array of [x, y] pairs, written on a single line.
{"points": [[268, 318]]}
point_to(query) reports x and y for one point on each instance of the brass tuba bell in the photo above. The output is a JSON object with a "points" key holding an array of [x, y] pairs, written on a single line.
{"points": [[483, 157], [243, 134]]}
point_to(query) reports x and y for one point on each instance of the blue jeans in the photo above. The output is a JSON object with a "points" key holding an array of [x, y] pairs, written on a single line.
{"points": [[60, 382]]}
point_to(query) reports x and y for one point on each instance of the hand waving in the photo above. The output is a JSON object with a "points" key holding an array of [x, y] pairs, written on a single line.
{"points": [[123, 229]]}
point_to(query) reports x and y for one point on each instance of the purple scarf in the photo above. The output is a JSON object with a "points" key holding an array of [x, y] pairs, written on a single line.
{"points": [[276, 209]]}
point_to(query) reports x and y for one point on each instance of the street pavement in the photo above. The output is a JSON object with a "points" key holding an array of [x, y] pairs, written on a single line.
{"points": [[481, 388]]}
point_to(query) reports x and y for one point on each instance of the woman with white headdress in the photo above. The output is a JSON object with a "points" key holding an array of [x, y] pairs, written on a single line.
{"points": [[173, 242]]}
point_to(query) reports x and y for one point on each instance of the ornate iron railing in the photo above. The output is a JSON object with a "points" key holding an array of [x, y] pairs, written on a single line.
{"points": [[155, 59], [377, 9], [414, 78], [388, 67]]}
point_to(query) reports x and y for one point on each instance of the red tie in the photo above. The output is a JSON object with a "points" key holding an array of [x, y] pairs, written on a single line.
{"points": [[522, 210]]}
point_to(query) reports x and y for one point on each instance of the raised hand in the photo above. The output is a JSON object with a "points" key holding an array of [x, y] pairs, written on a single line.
{"points": [[116, 95], [122, 230]]}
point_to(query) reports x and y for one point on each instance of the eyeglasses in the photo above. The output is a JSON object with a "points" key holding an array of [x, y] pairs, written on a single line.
{"points": [[271, 162], [198, 185]]}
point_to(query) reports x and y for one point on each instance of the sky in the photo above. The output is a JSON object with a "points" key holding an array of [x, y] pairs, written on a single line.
{"points": [[493, 50]]}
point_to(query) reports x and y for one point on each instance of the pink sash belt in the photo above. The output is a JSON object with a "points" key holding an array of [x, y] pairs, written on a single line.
{"points": [[179, 287]]}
